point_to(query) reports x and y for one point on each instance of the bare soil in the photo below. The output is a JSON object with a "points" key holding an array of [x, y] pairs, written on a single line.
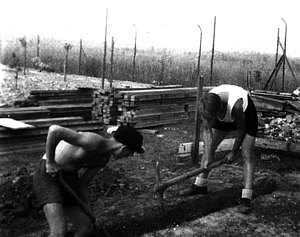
{"points": [[125, 203]]}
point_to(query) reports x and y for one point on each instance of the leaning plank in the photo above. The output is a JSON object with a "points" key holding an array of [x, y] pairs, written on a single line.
{"points": [[14, 124]]}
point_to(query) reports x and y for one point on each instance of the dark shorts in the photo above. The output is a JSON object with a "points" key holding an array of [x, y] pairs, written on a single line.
{"points": [[48, 190], [251, 121]]}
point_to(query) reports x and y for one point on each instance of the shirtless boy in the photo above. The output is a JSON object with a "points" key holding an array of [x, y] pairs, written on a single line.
{"points": [[78, 156]]}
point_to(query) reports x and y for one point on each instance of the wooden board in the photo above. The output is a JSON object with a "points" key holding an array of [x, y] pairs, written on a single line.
{"points": [[14, 124], [185, 149]]}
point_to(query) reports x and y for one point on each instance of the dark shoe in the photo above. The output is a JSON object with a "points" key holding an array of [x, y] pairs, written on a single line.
{"points": [[245, 206], [194, 190]]}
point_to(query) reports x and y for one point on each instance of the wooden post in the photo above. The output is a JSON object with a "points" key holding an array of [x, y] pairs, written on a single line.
{"points": [[212, 55], [199, 55], [162, 61], [198, 108], [290, 67], [67, 47], [24, 45], [38, 47], [80, 55], [198, 121], [284, 53], [276, 56], [111, 62], [134, 55], [104, 55]]}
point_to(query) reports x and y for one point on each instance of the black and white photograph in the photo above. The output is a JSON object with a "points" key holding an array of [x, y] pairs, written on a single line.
{"points": [[139, 118]]}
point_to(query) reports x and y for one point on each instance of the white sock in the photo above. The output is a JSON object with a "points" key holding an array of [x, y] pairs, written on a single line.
{"points": [[247, 193], [201, 182]]}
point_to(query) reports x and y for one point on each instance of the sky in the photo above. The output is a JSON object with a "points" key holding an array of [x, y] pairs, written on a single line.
{"points": [[241, 25]]}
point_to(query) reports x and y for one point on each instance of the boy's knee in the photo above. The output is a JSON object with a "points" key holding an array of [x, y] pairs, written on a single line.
{"points": [[248, 154], [247, 157], [86, 230], [58, 232]]}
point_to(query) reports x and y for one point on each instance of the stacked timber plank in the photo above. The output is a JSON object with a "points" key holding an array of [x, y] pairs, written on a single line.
{"points": [[155, 107], [28, 141], [50, 97], [69, 108], [275, 102], [23, 113], [65, 103], [106, 106]]}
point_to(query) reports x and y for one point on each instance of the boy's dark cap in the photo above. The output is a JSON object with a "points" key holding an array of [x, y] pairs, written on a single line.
{"points": [[130, 137]]}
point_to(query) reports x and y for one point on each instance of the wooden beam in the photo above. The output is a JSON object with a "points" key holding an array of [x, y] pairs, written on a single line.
{"points": [[185, 149]]}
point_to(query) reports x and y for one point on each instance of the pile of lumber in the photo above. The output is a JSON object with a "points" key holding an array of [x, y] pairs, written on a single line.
{"points": [[270, 102], [144, 107], [24, 141], [106, 106], [155, 107], [53, 104], [61, 97], [69, 108]]}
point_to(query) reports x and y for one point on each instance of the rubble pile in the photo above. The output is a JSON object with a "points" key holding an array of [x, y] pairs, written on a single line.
{"points": [[285, 129]]}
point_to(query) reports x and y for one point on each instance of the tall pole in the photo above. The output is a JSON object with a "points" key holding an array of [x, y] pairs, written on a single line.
{"points": [[38, 47], [111, 62], [134, 54], [277, 46], [80, 56], [212, 54], [284, 53], [104, 55], [276, 57], [198, 108], [199, 55]]}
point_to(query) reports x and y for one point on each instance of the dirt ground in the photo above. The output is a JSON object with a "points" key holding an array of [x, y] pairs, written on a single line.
{"points": [[125, 203]]}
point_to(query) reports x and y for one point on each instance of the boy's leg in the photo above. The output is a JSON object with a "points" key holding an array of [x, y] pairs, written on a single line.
{"points": [[200, 185], [248, 169], [81, 222], [56, 220]]}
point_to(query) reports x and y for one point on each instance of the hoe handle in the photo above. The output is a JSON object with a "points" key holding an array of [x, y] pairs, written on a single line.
{"points": [[74, 195], [161, 188]]}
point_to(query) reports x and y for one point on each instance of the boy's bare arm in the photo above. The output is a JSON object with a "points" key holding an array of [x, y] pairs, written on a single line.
{"points": [[207, 137], [239, 117], [87, 141]]}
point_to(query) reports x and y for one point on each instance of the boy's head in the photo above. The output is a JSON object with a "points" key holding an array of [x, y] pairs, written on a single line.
{"points": [[211, 106], [130, 137]]}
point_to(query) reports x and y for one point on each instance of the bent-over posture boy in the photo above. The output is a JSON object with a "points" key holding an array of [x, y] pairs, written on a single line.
{"points": [[77, 156], [227, 108]]}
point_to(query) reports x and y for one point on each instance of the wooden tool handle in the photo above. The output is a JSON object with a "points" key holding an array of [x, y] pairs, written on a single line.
{"points": [[74, 195], [188, 175]]}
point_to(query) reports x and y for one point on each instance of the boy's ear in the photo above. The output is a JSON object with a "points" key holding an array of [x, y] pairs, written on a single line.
{"points": [[112, 129]]}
